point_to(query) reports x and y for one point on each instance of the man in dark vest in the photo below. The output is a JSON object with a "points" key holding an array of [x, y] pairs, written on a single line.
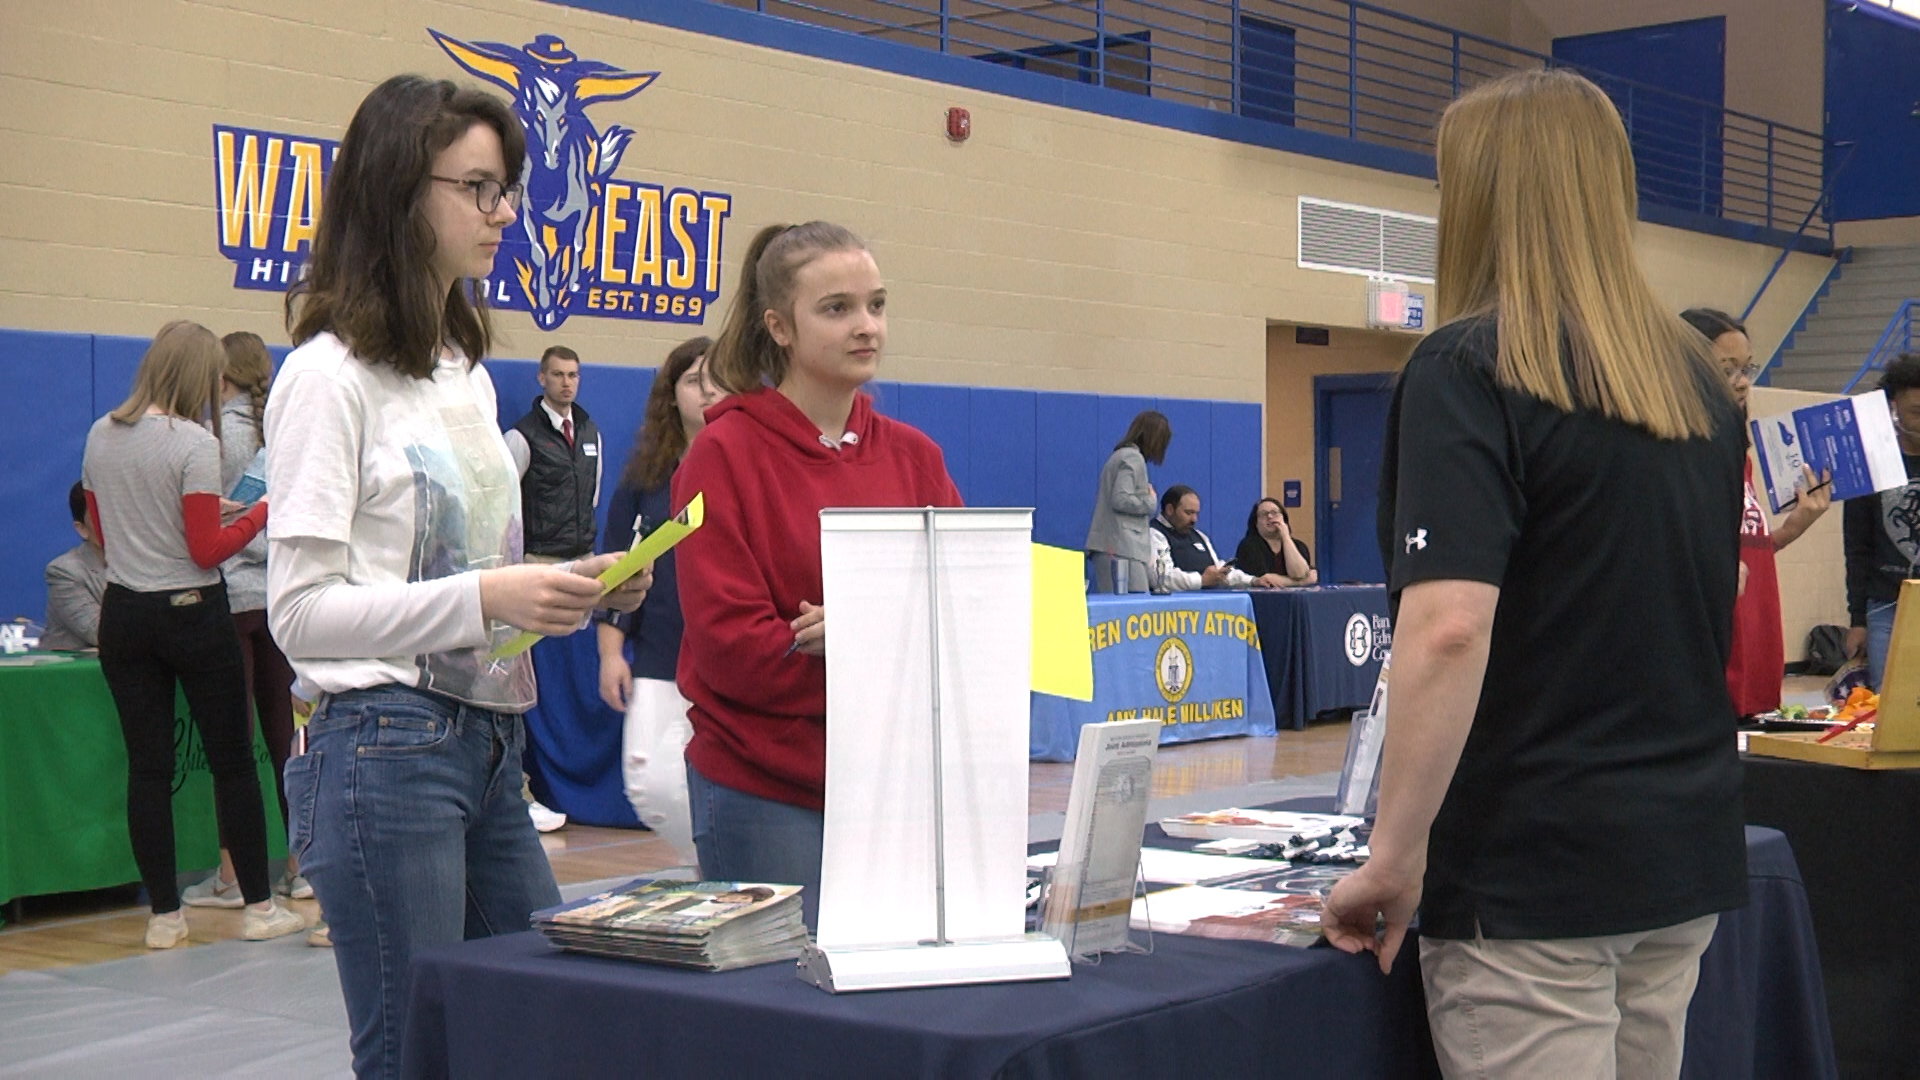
{"points": [[558, 452], [557, 449], [1183, 557]]}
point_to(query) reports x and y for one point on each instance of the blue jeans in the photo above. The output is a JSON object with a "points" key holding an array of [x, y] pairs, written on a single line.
{"points": [[742, 837], [1879, 639], [407, 819]]}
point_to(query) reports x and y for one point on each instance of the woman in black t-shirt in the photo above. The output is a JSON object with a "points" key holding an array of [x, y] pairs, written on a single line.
{"points": [[1269, 553], [1561, 484]]}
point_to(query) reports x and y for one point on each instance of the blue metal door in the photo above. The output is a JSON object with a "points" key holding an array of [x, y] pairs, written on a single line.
{"points": [[1677, 145], [1350, 429]]}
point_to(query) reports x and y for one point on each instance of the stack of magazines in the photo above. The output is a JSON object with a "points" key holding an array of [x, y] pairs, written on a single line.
{"points": [[703, 925]]}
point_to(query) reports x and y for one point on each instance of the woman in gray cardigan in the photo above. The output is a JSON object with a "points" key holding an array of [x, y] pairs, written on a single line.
{"points": [[1117, 541]]}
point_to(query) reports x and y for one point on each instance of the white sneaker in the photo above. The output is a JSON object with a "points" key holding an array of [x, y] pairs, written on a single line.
{"points": [[276, 921], [545, 820], [166, 931], [320, 937], [213, 893], [292, 886]]}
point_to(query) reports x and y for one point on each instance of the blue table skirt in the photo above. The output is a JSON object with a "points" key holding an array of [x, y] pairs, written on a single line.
{"points": [[513, 1006], [1192, 659], [573, 738], [1322, 646]]}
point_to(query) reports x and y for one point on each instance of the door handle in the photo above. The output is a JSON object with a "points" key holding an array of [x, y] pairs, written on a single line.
{"points": [[1333, 474]]}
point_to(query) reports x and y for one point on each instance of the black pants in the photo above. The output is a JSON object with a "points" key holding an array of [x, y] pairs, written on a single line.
{"points": [[148, 641]]}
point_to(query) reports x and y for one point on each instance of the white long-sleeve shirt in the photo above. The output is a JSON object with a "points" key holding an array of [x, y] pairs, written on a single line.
{"points": [[390, 494]]}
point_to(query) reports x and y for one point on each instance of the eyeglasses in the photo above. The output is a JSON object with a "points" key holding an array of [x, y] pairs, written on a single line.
{"points": [[488, 193], [1750, 371]]}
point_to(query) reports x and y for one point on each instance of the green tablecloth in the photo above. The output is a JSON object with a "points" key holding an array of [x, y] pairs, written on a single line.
{"points": [[63, 786]]}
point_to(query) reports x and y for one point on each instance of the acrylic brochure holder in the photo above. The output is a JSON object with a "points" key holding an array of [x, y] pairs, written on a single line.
{"points": [[1090, 891], [929, 654], [1359, 790]]}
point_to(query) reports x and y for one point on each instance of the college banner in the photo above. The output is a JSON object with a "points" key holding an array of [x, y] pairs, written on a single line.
{"points": [[1191, 661]]}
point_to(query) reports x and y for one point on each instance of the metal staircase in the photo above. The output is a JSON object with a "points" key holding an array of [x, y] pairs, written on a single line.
{"points": [[1844, 326]]}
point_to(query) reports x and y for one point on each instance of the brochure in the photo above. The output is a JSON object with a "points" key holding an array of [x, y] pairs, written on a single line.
{"points": [[1093, 882], [639, 557], [704, 925], [1851, 438], [1268, 826]]}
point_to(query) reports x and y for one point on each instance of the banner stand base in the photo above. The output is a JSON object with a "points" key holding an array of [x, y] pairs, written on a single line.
{"points": [[1029, 958]]}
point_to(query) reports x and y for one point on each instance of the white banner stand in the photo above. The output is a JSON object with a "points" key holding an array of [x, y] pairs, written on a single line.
{"points": [[929, 656]]}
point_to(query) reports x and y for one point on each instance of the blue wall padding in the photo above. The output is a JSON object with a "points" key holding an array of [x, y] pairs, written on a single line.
{"points": [[999, 448], [115, 360], [942, 412], [43, 432], [1189, 457], [1003, 447], [1067, 455], [1236, 433]]}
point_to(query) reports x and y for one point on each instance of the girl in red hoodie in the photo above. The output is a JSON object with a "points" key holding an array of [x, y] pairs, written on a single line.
{"points": [[806, 330]]}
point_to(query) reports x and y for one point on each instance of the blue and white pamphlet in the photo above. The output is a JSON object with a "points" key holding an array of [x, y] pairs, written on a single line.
{"points": [[1852, 438]]}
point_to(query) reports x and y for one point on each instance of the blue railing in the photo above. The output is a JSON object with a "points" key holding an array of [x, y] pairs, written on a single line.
{"points": [[1342, 68], [1897, 339]]}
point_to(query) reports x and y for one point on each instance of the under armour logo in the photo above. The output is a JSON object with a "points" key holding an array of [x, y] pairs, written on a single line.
{"points": [[1418, 539]]}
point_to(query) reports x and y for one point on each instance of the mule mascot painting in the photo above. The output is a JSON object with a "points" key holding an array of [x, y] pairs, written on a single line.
{"points": [[568, 160]]}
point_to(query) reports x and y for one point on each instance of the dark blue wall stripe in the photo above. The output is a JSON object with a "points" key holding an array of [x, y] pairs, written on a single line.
{"points": [[1004, 447]]}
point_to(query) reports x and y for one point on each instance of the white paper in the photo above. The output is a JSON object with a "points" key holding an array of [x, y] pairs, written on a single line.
{"points": [[1167, 867], [877, 868]]}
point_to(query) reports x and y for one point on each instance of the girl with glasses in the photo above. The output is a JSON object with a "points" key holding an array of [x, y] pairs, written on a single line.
{"points": [[395, 562]]}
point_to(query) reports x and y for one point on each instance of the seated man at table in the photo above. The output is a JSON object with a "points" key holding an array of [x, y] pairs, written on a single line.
{"points": [[75, 580], [1183, 558]]}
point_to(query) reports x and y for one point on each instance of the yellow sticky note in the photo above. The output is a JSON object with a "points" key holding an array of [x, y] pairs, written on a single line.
{"points": [[1062, 659], [657, 543]]}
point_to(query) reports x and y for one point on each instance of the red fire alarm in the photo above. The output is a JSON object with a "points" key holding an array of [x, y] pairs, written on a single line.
{"points": [[959, 124]]}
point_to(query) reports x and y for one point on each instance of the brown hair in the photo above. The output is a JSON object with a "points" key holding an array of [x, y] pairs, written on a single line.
{"points": [[1537, 210], [180, 373], [1150, 433], [250, 367], [745, 356], [558, 352], [370, 279], [661, 440]]}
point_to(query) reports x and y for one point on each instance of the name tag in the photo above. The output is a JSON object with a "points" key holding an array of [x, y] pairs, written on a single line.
{"points": [[591, 450], [185, 599]]}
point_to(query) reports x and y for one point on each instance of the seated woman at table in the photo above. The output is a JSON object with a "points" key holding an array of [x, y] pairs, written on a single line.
{"points": [[1269, 553], [654, 738], [806, 330], [395, 564], [1560, 450], [152, 479]]}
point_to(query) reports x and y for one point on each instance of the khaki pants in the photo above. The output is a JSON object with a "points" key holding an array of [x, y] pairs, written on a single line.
{"points": [[1573, 1008]]}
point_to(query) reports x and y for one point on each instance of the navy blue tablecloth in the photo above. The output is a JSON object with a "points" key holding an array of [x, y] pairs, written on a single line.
{"points": [[513, 1006], [1192, 660], [1323, 647]]}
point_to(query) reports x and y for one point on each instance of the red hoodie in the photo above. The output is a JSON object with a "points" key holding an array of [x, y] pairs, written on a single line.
{"points": [[759, 713]]}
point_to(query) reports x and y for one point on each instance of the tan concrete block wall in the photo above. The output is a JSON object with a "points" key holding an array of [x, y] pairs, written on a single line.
{"points": [[1055, 250]]}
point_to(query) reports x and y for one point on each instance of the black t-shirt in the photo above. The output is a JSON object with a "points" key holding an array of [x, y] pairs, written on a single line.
{"points": [[1599, 790], [1257, 557], [1882, 534]]}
